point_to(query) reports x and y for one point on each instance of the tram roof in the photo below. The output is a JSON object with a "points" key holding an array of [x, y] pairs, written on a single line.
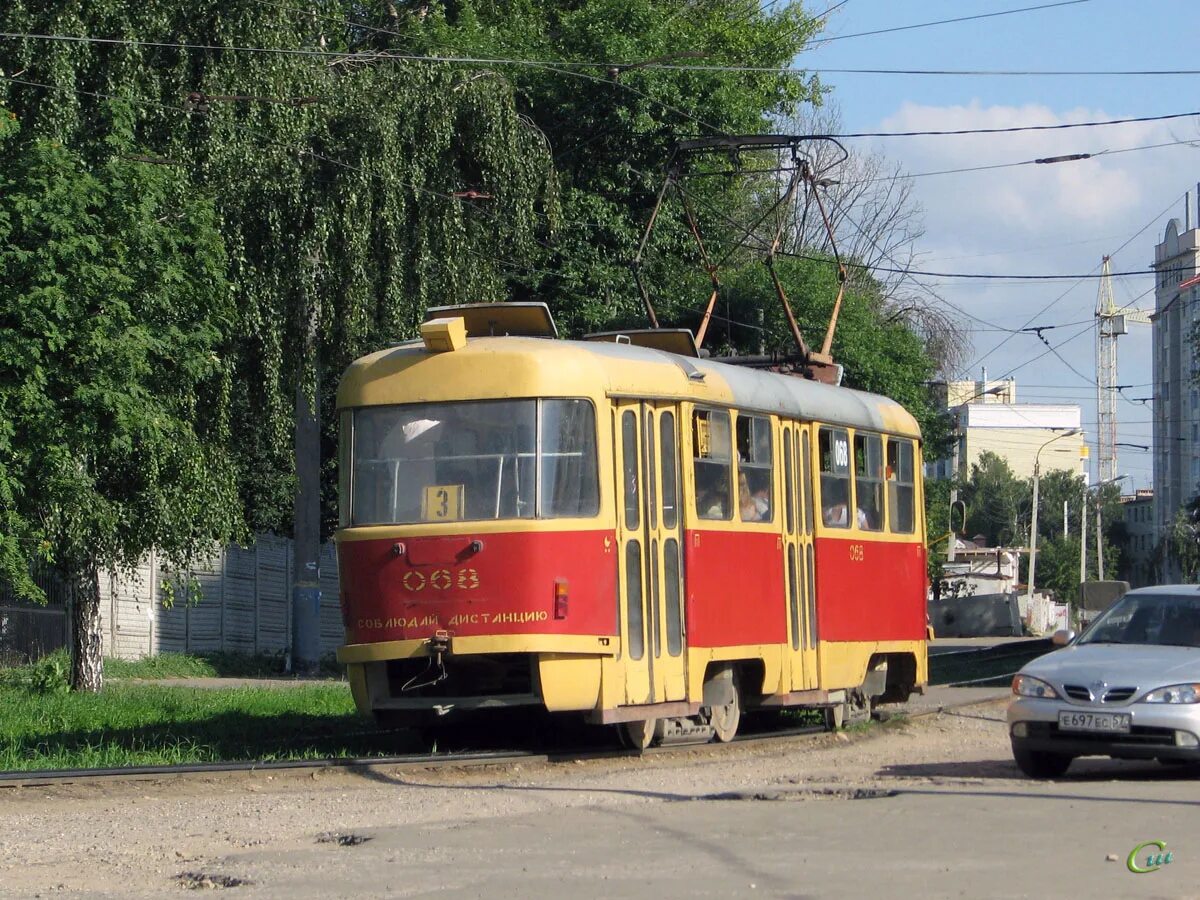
{"points": [[503, 367]]}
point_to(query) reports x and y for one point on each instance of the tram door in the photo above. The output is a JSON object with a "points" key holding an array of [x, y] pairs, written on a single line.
{"points": [[798, 550], [651, 556]]}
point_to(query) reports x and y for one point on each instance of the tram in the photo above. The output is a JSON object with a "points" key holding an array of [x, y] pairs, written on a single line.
{"points": [[621, 529]]}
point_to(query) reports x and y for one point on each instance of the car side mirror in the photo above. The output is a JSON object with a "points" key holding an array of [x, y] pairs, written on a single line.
{"points": [[1062, 637]]}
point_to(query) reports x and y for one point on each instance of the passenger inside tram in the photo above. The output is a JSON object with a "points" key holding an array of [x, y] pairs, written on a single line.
{"points": [[747, 507], [835, 509], [711, 491]]}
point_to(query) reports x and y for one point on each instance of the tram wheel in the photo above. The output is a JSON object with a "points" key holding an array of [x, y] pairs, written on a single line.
{"points": [[638, 735], [724, 719]]}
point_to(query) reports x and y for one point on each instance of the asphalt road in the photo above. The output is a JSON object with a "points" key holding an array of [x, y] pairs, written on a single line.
{"points": [[933, 807], [982, 839]]}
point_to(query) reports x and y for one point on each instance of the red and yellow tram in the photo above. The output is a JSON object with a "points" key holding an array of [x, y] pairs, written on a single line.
{"points": [[645, 537]]}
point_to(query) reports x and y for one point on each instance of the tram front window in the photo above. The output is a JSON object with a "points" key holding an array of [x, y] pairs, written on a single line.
{"points": [[442, 462]]}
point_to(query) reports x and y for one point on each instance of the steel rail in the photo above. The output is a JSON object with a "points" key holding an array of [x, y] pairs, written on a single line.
{"points": [[466, 759]]}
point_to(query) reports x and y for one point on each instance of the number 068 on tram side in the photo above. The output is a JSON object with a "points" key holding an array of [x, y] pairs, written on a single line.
{"points": [[621, 530]]}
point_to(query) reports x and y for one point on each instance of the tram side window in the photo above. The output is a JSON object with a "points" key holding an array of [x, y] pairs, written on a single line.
{"points": [[712, 464], [868, 480], [754, 469], [833, 446], [901, 493]]}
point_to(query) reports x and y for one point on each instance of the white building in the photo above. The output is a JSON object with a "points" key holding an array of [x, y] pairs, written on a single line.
{"points": [[988, 418]]}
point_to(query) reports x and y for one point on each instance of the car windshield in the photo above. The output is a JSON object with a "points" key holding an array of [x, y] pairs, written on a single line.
{"points": [[1152, 618]]}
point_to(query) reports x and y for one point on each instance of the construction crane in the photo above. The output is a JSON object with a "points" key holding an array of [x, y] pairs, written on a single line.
{"points": [[1111, 322]]}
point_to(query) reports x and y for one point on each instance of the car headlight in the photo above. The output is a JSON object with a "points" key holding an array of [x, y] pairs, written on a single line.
{"points": [[1028, 686], [1175, 693]]}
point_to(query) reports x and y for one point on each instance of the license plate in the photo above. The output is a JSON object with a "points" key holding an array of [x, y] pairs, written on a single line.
{"points": [[1087, 721]]}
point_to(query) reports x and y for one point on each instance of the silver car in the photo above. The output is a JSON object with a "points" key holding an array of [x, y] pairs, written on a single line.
{"points": [[1128, 687]]}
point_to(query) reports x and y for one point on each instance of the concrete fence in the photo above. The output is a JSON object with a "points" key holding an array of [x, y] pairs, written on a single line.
{"points": [[244, 604]]}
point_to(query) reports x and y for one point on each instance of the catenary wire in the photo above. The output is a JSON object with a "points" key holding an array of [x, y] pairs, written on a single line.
{"points": [[991, 15], [494, 61]]}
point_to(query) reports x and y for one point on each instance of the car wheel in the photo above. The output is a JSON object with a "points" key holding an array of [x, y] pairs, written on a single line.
{"points": [[1040, 764]]}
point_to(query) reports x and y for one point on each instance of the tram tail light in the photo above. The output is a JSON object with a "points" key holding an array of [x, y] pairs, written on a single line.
{"points": [[561, 596]]}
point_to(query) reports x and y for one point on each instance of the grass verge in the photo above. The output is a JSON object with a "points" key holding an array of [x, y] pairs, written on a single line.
{"points": [[146, 724], [208, 665]]}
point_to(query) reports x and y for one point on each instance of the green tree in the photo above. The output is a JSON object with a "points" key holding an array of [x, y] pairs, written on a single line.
{"points": [[1058, 566], [937, 524], [612, 133], [352, 191], [114, 375], [997, 502], [1181, 543]]}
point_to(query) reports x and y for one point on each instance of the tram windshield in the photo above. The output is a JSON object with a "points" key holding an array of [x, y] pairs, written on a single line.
{"points": [[474, 460]]}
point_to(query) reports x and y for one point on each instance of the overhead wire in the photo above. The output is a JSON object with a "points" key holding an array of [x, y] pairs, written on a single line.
{"points": [[1060, 297], [1013, 129], [1078, 157], [905, 271], [596, 64], [991, 15], [701, 201], [161, 107]]}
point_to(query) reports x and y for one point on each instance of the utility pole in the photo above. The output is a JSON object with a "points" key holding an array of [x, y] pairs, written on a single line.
{"points": [[1106, 375], [1083, 504], [953, 492], [306, 586], [1111, 323], [1033, 529]]}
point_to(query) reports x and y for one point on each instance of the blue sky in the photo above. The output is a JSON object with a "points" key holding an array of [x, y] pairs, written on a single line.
{"points": [[1032, 219]]}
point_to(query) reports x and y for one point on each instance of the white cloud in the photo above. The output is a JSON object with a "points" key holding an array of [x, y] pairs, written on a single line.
{"points": [[1042, 201]]}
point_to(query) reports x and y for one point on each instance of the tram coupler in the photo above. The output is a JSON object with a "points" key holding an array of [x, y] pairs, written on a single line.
{"points": [[439, 644]]}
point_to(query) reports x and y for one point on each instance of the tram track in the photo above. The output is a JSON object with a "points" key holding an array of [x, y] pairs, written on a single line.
{"points": [[413, 761]]}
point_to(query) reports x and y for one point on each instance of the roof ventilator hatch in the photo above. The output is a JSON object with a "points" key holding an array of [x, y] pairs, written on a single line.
{"points": [[511, 319]]}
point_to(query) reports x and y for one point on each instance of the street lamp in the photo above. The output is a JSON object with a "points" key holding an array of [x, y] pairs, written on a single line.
{"points": [[1033, 530], [954, 459]]}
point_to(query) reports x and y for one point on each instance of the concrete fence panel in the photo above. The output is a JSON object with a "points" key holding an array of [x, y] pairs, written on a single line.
{"points": [[244, 604]]}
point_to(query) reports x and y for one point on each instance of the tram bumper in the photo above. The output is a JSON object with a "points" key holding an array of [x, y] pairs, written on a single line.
{"points": [[445, 673]]}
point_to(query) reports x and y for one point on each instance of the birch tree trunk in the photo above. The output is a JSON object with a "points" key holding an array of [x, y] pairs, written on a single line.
{"points": [[87, 657]]}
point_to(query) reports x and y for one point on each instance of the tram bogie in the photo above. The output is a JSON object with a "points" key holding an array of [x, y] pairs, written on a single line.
{"points": [[648, 540]]}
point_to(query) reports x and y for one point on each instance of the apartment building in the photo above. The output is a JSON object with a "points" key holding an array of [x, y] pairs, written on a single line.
{"points": [[1137, 564], [1176, 418], [988, 418]]}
